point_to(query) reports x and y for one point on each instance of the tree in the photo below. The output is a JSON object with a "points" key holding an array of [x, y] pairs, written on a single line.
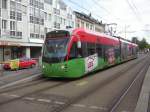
{"points": [[135, 40], [143, 44]]}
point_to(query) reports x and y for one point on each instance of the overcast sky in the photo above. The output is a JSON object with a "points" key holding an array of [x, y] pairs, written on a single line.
{"points": [[132, 15]]}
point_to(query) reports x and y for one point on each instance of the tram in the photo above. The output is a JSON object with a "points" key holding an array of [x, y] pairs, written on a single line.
{"points": [[75, 53]]}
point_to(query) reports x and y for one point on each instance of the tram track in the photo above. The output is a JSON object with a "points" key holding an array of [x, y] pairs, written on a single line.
{"points": [[100, 85], [31, 93], [116, 103], [73, 100], [41, 80]]}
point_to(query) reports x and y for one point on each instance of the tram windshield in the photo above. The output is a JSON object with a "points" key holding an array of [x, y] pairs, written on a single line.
{"points": [[55, 49]]}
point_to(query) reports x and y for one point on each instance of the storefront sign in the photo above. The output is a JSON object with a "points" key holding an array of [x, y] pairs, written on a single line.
{"points": [[6, 43], [91, 62]]}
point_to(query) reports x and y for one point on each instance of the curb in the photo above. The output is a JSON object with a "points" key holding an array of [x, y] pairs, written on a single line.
{"points": [[142, 104]]}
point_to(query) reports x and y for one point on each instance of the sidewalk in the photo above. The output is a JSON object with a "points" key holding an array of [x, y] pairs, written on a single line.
{"points": [[143, 101]]}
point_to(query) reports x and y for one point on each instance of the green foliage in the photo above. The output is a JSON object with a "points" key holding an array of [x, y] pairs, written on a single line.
{"points": [[142, 44]]}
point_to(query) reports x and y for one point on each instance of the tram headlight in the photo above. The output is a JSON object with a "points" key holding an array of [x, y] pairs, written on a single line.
{"points": [[43, 66], [62, 67]]}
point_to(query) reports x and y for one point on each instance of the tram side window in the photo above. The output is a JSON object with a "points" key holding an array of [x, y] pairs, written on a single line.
{"points": [[117, 51], [91, 48], [99, 50], [73, 51], [84, 49]]}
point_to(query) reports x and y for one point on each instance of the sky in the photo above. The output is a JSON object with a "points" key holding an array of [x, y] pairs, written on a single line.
{"points": [[131, 16]]}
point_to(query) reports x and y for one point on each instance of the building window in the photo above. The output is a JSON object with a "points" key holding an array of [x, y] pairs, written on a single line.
{"points": [[56, 11], [31, 19], [31, 2], [56, 25], [64, 21], [4, 24], [72, 24], [37, 20], [45, 15], [48, 1], [12, 33], [91, 27], [12, 25], [19, 16], [62, 5], [41, 5], [82, 24], [87, 25], [37, 36], [77, 25], [42, 36], [37, 4], [42, 21], [12, 5], [31, 35], [12, 14], [0, 12], [19, 34], [49, 17], [31, 11], [18, 0], [4, 4]]}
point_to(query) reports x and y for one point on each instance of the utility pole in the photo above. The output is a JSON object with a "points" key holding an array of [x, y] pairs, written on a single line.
{"points": [[125, 30]]}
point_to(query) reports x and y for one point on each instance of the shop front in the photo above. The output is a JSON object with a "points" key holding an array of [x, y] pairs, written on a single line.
{"points": [[12, 50]]}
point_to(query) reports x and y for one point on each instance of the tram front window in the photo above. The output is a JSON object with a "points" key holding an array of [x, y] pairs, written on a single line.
{"points": [[55, 50]]}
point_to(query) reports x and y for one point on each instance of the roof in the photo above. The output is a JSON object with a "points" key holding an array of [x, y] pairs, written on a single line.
{"points": [[88, 18]]}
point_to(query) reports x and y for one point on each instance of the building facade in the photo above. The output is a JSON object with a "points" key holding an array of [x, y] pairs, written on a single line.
{"points": [[88, 22], [23, 24]]}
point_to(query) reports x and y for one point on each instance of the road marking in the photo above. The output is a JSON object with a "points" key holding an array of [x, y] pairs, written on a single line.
{"points": [[29, 98], [20, 81], [57, 102], [94, 107], [13, 95], [125, 111], [5, 94], [78, 105], [44, 100], [82, 83], [60, 103]]}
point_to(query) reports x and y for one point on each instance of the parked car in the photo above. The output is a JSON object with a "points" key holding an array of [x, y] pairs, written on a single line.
{"points": [[23, 63]]}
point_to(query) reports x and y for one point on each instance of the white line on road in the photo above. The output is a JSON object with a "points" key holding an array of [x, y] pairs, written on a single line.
{"points": [[78, 105], [29, 98], [44, 100], [94, 107], [5, 94], [13, 95], [57, 102], [20, 81], [60, 103]]}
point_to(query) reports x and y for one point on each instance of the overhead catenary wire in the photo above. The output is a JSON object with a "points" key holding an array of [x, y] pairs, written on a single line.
{"points": [[134, 10], [78, 5]]}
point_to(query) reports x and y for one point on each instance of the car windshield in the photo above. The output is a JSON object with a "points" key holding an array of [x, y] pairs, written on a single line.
{"points": [[55, 49], [24, 59]]}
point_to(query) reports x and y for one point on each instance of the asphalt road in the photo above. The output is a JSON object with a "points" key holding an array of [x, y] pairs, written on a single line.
{"points": [[97, 92]]}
